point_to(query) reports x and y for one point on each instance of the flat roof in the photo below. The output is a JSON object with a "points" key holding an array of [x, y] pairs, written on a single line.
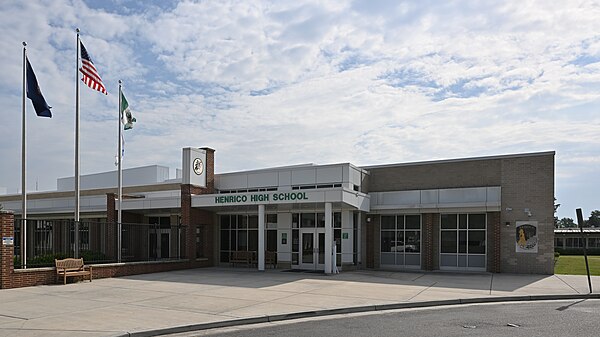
{"points": [[443, 161]]}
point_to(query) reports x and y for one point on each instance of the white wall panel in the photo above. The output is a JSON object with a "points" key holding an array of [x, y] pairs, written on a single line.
{"points": [[304, 176], [330, 174], [285, 178], [262, 179], [233, 181], [401, 198], [430, 196], [463, 195]]}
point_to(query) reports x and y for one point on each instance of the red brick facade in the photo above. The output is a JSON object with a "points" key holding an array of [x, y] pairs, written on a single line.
{"points": [[196, 220], [7, 265], [494, 242], [427, 234]]}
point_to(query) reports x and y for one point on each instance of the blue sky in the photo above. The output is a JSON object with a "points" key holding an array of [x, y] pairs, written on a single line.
{"points": [[270, 83]]}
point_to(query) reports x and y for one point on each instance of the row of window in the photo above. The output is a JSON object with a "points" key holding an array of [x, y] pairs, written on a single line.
{"points": [[576, 242], [240, 233], [296, 187], [462, 240]]}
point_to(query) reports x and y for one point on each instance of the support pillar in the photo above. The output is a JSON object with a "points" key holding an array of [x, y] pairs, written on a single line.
{"points": [[328, 239], [7, 229], [261, 237]]}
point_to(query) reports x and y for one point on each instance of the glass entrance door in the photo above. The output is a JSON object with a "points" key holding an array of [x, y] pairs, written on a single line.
{"points": [[308, 250], [312, 253], [159, 242]]}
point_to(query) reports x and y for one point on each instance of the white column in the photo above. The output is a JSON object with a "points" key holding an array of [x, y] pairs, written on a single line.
{"points": [[261, 237], [359, 238], [328, 238]]}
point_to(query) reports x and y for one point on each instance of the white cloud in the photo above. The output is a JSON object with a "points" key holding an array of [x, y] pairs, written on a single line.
{"points": [[278, 83]]}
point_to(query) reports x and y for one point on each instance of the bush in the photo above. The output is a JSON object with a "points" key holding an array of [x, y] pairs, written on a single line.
{"points": [[47, 260], [92, 256]]}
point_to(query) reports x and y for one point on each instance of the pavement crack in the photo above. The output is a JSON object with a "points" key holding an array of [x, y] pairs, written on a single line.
{"points": [[565, 282], [16, 317], [418, 277], [420, 292]]}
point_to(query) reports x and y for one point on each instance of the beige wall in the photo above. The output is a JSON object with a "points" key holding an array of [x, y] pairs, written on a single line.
{"points": [[476, 173], [528, 182]]}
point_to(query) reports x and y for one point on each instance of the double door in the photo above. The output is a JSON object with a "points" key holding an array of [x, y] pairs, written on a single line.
{"points": [[158, 245], [312, 249]]}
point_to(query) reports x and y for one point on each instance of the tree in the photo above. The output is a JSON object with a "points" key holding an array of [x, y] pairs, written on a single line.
{"points": [[566, 223], [594, 219]]}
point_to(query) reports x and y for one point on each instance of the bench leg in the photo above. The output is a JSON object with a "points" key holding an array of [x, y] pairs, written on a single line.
{"points": [[65, 279]]}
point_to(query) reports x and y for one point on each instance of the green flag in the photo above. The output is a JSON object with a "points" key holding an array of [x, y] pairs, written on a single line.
{"points": [[126, 113]]}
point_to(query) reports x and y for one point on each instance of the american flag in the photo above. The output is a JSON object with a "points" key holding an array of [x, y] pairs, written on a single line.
{"points": [[90, 74]]}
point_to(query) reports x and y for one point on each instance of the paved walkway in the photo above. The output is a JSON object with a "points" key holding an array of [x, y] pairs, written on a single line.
{"points": [[145, 304]]}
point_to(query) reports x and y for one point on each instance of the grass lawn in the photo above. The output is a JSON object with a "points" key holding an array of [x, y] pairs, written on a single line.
{"points": [[575, 265]]}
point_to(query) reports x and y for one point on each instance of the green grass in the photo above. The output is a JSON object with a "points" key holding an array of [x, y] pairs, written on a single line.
{"points": [[575, 265]]}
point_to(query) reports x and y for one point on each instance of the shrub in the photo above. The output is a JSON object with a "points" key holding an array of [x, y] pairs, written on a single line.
{"points": [[47, 260], [92, 256]]}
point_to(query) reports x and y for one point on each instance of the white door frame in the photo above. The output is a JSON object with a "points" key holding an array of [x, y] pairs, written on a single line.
{"points": [[318, 251]]}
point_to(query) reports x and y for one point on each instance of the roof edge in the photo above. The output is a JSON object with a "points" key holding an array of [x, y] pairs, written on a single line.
{"points": [[443, 161]]}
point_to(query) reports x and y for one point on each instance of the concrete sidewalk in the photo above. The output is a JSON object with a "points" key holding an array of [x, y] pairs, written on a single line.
{"points": [[150, 303]]}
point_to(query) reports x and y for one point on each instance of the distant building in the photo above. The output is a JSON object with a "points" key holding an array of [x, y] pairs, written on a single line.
{"points": [[474, 214], [571, 240]]}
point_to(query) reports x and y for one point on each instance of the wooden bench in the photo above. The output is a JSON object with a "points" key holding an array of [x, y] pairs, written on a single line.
{"points": [[240, 256], [271, 259], [72, 267]]}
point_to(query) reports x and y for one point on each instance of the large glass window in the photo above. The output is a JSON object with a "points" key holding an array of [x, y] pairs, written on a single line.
{"points": [[401, 240], [239, 232], [463, 241]]}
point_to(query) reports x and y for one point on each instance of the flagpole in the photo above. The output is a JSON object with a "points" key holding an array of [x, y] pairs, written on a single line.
{"points": [[120, 177], [76, 244], [23, 167]]}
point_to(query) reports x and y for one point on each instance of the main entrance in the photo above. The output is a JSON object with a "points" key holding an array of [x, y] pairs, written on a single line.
{"points": [[312, 249], [159, 237]]}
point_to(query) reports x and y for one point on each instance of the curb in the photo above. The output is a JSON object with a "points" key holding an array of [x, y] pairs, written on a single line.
{"points": [[368, 308]]}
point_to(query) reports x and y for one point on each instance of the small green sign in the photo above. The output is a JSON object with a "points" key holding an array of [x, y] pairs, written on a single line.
{"points": [[345, 236]]}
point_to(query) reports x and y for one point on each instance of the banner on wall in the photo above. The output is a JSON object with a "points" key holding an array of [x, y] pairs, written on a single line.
{"points": [[526, 237]]}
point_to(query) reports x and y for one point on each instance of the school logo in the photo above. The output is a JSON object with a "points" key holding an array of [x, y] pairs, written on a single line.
{"points": [[198, 166], [526, 237]]}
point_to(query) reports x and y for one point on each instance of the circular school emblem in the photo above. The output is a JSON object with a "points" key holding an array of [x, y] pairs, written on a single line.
{"points": [[198, 166]]}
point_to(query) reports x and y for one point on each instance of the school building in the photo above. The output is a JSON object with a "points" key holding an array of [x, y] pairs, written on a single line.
{"points": [[492, 214]]}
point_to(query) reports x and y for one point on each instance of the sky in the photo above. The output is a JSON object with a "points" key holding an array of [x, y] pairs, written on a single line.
{"points": [[274, 83]]}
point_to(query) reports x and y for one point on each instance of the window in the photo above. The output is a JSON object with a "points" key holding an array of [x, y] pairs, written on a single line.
{"points": [[401, 240], [239, 232], [463, 240], [199, 241], [163, 222]]}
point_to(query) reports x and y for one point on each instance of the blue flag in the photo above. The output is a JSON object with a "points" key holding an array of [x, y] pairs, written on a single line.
{"points": [[35, 94]]}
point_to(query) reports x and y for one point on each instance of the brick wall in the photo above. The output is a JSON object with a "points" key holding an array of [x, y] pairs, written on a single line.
{"points": [[494, 241], [528, 182], [197, 219], [11, 278], [430, 234], [472, 173], [426, 241], [6, 252]]}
